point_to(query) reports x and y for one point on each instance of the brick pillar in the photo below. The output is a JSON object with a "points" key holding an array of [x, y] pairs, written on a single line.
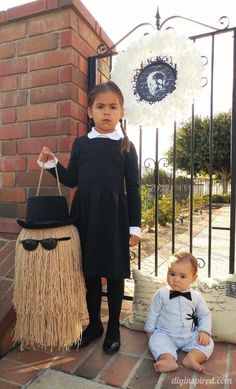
{"points": [[44, 48]]}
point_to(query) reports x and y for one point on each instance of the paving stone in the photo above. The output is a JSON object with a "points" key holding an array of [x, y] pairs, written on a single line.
{"points": [[136, 344], [70, 361], [144, 377], [233, 362], [38, 359], [181, 378], [57, 380], [16, 372], [7, 385], [217, 363], [95, 362], [119, 370]]}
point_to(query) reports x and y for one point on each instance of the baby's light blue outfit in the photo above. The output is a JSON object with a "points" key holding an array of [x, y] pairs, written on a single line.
{"points": [[175, 323]]}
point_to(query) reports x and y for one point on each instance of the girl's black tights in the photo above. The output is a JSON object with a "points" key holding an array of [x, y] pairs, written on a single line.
{"points": [[115, 293], [94, 298]]}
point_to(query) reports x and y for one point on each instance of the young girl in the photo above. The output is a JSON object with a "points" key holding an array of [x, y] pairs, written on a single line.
{"points": [[107, 205], [179, 319]]}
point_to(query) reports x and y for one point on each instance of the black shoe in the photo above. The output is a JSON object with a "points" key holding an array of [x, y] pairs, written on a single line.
{"points": [[88, 335], [111, 346]]}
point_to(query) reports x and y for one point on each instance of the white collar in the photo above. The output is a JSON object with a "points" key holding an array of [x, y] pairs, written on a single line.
{"points": [[111, 135]]}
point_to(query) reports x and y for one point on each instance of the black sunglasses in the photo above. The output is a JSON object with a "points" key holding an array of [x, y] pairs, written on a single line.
{"points": [[47, 244]]}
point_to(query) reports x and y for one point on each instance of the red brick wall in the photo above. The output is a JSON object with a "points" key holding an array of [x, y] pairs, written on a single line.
{"points": [[44, 47]]}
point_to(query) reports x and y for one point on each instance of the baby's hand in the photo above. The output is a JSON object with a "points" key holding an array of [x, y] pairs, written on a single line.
{"points": [[46, 155], [203, 338]]}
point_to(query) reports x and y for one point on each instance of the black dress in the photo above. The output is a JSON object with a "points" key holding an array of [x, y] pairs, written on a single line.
{"points": [[106, 203]]}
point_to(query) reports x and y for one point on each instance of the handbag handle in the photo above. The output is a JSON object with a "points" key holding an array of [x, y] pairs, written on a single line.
{"points": [[40, 179]]}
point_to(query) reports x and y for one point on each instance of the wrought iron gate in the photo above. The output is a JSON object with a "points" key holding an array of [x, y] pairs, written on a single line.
{"points": [[212, 36]]}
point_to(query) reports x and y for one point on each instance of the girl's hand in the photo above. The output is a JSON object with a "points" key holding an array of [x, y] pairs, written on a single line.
{"points": [[134, 240], [203, 338], [46, 155]]}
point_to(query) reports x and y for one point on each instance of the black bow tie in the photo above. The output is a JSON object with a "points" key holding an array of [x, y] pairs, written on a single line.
{"points": [[175, 293]]}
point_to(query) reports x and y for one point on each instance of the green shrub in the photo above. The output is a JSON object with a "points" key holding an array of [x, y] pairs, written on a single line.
{"points": [[148, 220], [217, 199], [199, 202], [147, 207], [165, 210]]}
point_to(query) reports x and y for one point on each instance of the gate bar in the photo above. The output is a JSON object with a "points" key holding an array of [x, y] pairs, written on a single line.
{"points": [[233, 168], [211, 158]]}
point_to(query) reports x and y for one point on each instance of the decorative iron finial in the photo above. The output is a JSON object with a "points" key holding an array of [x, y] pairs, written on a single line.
{"points": [[158, 18]]}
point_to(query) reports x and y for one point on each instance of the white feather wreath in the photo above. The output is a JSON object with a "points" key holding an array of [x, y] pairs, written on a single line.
{"points": [[178, 50]]}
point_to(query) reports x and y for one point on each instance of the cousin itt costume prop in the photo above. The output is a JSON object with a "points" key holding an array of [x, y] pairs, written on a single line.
{"points": [[49, 290]]}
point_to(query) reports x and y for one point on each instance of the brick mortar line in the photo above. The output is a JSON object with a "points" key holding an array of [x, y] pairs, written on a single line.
{"points": [[9, 381], [109, 362], [160, 381], [40, 371], [221, 377], [24, 364], [12, 249], [35, 378], [135, 368], [193, 383], [107, 365], [6, 239], [8, 290], [228, 366], [86, 356], [8, 271], [5, 259], [134, 355], [5, 278]]}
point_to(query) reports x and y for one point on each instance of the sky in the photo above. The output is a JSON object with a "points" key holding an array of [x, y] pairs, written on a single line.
{"points": [[117, 18]]}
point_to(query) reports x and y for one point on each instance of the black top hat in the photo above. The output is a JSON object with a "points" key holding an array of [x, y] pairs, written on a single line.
{"points": [[46, 212]]}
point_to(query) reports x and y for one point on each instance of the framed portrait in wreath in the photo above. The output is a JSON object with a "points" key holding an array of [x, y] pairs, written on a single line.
{"points": [[155, 80]]}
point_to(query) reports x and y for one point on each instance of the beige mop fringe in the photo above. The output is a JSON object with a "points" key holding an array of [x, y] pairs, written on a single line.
{"points": [[49, 290]]}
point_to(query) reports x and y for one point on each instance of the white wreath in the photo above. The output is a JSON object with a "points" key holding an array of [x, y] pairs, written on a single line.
{"points": [[189, 68]]}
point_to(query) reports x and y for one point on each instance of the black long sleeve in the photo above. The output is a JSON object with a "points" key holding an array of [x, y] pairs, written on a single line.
{"points": [[133, 187]]}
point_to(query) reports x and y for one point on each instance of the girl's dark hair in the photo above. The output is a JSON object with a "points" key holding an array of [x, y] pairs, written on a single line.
{"points": [[106, 87]]}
